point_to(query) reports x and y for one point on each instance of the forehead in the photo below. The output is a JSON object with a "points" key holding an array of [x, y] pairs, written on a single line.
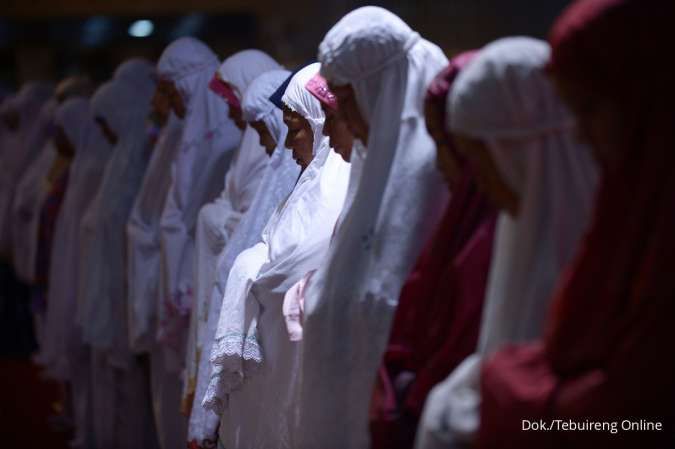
{"points": [[291, 116]]}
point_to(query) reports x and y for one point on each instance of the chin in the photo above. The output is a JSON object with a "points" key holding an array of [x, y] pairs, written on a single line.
{"points": [[345, 155]]}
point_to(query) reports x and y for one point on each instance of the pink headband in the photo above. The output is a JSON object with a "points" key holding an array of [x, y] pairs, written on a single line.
{"points": [[319, 88], [224, 90]]}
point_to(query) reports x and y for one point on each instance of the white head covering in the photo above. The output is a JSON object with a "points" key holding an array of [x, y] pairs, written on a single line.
{"points": [[505, 99], [190, 65], [351, 299], [256, 105], [21, 146], [207, 145], [240, 69], [143, 259], [136, 71], [219, 219], [277, 182], [303, 220], [125, 106], [32, 187], [28, 199], [298, 99], [91, 154]]}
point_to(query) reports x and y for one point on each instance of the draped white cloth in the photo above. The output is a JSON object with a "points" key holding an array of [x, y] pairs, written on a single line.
{"points": [[505, 99], [240, 69], [21, 146], [62, 351], [121, 394], [293, 306], [352, 297], [143, 257], [206, 148], [219, 219], [29, 196], [251, 332], [276, 184]]}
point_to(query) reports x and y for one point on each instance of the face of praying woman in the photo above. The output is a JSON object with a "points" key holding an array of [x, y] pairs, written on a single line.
{"points": [[445, 161], [237, 117], [175, 100], [266, 139], [339, 136], [109, 134], [300, 138], [598, 120], [161, 106], [490, 181], [63, 145], [350, 111]]}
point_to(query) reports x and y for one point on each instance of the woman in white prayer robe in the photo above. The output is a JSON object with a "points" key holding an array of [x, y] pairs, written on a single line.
{"points": [[19, 113], [143, 267], [121, 395], [207, 144], [63, 353], [31, 188], [277, 183], [219, 219], [254, 362]]}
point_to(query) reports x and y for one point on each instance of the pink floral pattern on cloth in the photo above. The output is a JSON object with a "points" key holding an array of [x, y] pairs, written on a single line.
{"points": [[176, 319], [294, 306], [318, 87], [206, 444]]}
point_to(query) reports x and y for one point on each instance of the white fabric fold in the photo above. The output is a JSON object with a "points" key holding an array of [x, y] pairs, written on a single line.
{"points": [[34, 111], [29, 196], [124, 106], [143, 257]]}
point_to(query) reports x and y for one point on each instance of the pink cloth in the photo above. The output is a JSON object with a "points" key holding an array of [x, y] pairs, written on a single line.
{"points": [[294, 306], [318, 87], [223, 89]]}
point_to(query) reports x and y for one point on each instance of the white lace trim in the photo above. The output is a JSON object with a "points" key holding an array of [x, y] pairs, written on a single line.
{"points": [[235, 344], [239, 356]]}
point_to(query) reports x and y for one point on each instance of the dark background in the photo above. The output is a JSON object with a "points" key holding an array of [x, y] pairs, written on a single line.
{"points": [[47, 39]]}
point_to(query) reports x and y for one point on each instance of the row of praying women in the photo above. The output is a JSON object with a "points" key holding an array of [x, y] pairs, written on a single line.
{"points": [[384, 248]]}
